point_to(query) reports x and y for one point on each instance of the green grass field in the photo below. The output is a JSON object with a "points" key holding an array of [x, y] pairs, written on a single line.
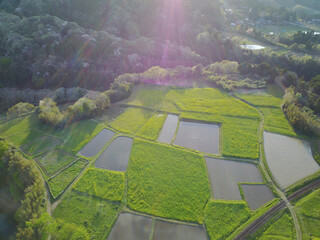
{"points": [[55, 160], [64, 178], [270, 106], [280, 227], [307, 210], [152, 128], [41, 145], [131, 120], [95, 214], [223, 217], [167, 182], [102, 183], [148, 96], [240, 122]]}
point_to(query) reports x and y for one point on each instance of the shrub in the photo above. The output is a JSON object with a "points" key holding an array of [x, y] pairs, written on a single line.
{"points": [[19, 109], [50, 113]]}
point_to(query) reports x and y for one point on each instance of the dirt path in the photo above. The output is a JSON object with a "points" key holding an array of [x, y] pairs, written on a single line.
{"points": [[269, 178]]}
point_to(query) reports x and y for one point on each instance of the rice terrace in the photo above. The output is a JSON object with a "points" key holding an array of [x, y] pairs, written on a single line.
{"points": [[180, 167]]}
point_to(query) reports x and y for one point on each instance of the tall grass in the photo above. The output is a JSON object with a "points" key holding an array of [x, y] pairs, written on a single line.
{"points": [[167, 182]]}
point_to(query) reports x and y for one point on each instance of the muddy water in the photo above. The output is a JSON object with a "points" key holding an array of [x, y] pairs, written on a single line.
{"points": [[97, 143], [199, 136], [116, 156], [7, 226], [169, 129]]}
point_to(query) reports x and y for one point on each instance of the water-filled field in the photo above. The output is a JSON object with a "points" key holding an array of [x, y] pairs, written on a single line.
{"points": [[97, 143], [116, 156], [166, 230], [225, 176], [131, 226], [136, 227], [289, 159], [169, 129], [199, 136], [256, 195]]}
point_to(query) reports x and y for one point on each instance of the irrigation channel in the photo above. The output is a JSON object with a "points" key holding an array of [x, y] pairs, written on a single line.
{"points": [[280, 206]]}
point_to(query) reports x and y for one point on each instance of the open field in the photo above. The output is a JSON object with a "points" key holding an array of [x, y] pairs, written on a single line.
{"points": [[116, 156], [95, 214], [256, 195], [59, 183], [308, 213], [240, 122], [166, 230], [54, 160], [222, 218], [270, 106], [149, 96], [41, 145], [169, 128], [97, 143], [152, 128], [167, 182], [289, 159], [131, 120], [26, 129], [199, 136], [225, 176], [102, 183], [131, 226], [279, 227]]}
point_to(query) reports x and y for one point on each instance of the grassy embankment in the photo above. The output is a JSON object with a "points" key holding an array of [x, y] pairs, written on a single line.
{"points": [[270, 106], [308, 213]]}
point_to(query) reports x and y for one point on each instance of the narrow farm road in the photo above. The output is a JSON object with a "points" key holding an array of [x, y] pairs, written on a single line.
{"points": [[269, 179]]}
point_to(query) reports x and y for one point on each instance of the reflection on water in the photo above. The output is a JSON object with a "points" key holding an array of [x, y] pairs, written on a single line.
{"points": [[252, 47]]}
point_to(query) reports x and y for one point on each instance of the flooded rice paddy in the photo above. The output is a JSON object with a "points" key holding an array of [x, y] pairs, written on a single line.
{"points": [[199, 136], [131, 226], [166, 230], [289, 159], [97, 143], [169, 129], [256, 195], [136, 227], [225, 176], [116, 156]]}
